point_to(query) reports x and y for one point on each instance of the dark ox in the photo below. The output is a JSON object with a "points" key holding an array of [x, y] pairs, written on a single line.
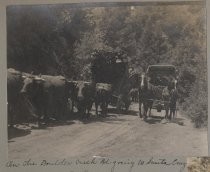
{"points": [[46, 95], [147, 93], [14, 85], [173, 99], [82, 96], [102, 97], [172, 103], [169, 96]]}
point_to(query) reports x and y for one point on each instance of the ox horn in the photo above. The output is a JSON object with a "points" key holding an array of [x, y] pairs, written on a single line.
{"points": [[70, 81], [39, 79], [24, 76]]}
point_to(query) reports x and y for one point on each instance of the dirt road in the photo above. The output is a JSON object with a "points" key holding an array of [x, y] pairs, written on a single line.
{"points": [[117, 135]]}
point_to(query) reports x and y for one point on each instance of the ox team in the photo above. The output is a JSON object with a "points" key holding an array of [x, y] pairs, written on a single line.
{"points": [[48, 96]]}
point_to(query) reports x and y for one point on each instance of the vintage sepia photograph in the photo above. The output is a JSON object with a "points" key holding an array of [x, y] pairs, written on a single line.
{"points": [[107, 80]]}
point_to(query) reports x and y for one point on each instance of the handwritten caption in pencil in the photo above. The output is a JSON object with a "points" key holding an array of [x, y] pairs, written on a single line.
{"points": [[111, 164]]}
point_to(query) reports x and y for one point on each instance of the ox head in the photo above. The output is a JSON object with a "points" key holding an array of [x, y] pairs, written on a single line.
{"points": [[31, 83], [143, 81], [173, 84], [79, 90], [83, 88]]}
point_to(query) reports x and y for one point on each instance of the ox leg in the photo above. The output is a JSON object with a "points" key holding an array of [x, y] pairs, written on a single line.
{"points": [[127, 104], [73, 105], [166, 115], [136, 97], [167, 112], [88, 113], [173, 112], [89, 108], [39, 124], [150, 107], [150, 111], [171, 116], [145, 112], [80, 109], [102, 109], [140, 109], [40, 119], [96, 106], [119, 104], [145, 109], [106, 108]]}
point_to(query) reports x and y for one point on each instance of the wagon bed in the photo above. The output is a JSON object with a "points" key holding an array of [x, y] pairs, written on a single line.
{"points": [[112, 68], [160, 76]]}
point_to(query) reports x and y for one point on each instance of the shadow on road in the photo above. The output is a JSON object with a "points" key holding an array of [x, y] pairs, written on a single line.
{"points": [[17, 132], [179, 121], [112, 117], [59, 123], [159, 119], [109, 118], [24, 129], [154, 119], [123, 112]]}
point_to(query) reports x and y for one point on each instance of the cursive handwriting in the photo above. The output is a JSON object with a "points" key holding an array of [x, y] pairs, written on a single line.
{"points": [[62, 162], [152, 161], [11, 164], [29, 162], [85, 162], [128, 162], [109, 163]]}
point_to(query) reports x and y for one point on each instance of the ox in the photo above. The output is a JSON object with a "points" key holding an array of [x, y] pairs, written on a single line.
{"points": [[48, 95], [102, 97], [147, 93], [166, 99], [169, 95], [82, 96], [173, 100], [14, 84]]}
